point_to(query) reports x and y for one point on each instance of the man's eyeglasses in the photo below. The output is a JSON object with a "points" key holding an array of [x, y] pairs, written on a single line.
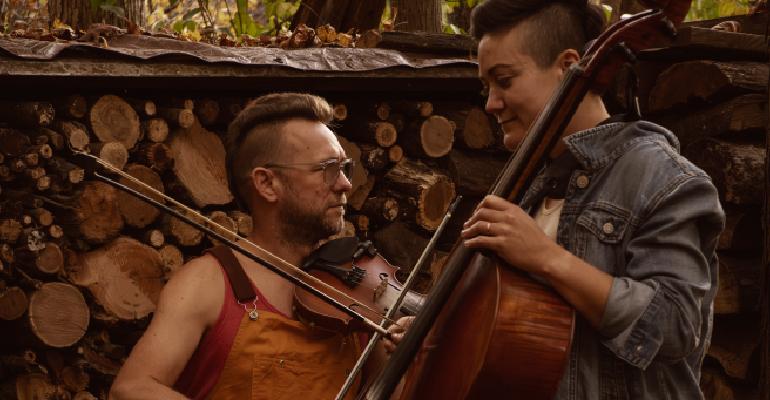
{"points": [[330, 168]]}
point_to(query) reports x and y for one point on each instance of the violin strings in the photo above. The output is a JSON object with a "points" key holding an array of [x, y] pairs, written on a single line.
{"points": [[233, 237]]}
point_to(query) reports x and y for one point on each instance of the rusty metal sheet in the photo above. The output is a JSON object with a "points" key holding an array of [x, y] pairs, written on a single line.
{"points": [[142, 47]]}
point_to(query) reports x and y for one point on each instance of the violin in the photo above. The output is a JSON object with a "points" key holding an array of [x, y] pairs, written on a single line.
{"points": [[358, 269], [522, 329]]}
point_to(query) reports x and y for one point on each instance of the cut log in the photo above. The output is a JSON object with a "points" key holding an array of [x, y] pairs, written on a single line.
{"points": [[34, 386], [340, 112], [358, 197], [412, 108], [73, 106], [715, 385], [430, 191], [155, 155], [358, 176], [207, 111], [361, 222], [473, 128], [395, 154], [50, 259], [54, 139], [221, 218], [374, 158], [138, 213], [381, 133], [6, 253], [84, 395], [182, 233], [199, 165], [734, 341], [115, 153], [27, 114], [154, 238], [145, 108], [734, 168], [431, 137], [705, 81], [743, 230], [474, 174], [178, 117], [58, 314], [74, 378], [113, 120], [13, 143], [55, 231], [98, 217], [381, 209], [400, 245], [155, 130], [68, 171], [42, 216], [740, 117], [125, 277], [13, 303], [10, 230], [739, 285], [243, 222], [75, 133], [172, 259]]}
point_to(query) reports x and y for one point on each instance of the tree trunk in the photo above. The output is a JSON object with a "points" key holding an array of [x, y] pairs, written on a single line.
{"points": [[418, 15], [79, 15]]}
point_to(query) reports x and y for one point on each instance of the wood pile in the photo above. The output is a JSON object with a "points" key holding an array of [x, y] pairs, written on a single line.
{"points": [[717, 107], [82, 263]]}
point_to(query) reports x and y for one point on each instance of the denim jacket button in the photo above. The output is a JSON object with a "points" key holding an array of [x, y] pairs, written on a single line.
{"points": [[608, 228], [582, 181]]}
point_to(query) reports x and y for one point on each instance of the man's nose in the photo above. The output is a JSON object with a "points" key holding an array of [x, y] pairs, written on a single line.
{"points": [[343, 184]]}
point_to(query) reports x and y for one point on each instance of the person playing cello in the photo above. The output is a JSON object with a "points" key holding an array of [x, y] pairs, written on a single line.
{"points": [[619, 223]]}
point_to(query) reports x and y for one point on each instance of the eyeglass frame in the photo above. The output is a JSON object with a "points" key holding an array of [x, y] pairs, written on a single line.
{"points": [[344, 164]]}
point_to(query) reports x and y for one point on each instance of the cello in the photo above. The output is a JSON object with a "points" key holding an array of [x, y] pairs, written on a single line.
{"points": [[521, 328]]}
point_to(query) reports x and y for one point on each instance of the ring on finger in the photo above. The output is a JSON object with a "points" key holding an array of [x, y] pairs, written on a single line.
{"points": [[489, 227]]}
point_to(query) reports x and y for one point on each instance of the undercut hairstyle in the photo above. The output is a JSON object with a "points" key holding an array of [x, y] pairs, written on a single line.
{"points": [[256, 136], [552, 26]]}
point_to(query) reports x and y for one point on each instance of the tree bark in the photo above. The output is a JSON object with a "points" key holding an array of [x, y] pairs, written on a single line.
{"points": [[732, 167], [418, 15]]}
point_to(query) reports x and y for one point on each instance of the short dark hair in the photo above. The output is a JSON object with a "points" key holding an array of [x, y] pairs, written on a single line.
{"points": [[554, 26], [255, 136]]}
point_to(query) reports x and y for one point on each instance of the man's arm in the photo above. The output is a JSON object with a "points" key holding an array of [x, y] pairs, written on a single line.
{"points": [[186, 306]]}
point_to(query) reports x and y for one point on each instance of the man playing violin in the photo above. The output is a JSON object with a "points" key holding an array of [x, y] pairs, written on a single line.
{"points": [[618, 223], [288, 168]]}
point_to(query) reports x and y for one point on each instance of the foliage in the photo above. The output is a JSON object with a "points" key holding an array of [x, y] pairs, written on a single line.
{"points": [[710, 9]]}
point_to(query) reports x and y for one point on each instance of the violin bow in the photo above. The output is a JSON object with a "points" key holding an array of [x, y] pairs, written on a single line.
{"points": [[92, 165], [397, 303]]}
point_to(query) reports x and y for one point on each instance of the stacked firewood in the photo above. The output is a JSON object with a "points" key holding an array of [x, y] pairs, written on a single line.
{"points": [[82, 263], [719, 112]]}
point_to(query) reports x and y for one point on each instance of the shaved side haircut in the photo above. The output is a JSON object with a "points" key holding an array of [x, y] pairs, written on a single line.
{"points": [[255, 136], [551, 26]]}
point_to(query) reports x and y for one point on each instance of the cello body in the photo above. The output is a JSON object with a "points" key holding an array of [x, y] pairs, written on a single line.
{"points": [[501, 335]]}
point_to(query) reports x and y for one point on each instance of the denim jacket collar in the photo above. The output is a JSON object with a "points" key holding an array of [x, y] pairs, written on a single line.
{"points": [[597, 147]]}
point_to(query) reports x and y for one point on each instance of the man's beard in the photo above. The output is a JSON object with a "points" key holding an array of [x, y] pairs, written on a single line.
{"points": [[302, 226]]}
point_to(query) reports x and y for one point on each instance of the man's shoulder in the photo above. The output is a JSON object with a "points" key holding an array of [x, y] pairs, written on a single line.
{"points": [[198, 284]]}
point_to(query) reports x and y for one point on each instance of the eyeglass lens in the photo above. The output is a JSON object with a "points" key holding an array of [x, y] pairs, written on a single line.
{"points": [[332, 171]]}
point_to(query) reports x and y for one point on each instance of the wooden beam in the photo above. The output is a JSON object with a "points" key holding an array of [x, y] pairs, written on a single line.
{"points": [[764, 297]]}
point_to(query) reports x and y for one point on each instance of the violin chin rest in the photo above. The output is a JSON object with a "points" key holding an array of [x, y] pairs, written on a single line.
{"points": [[337, 251]]}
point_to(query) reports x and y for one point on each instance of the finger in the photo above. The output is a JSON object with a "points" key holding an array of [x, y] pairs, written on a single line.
{"points": [[480, 228], [495, 203], [485, 214], [484, 242]]}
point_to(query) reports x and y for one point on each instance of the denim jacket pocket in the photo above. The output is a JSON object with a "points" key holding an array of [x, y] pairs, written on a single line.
{"points": [[606, 221]]}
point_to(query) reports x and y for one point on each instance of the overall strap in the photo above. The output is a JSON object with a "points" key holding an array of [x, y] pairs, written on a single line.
{"points": [[241, 284]]}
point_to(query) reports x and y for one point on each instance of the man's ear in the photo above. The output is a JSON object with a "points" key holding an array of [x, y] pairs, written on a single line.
{"points": [[566, 58], [265, 184]]}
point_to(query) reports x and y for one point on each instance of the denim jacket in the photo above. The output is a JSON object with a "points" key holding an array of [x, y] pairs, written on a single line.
{"points": [[638, 210]]}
